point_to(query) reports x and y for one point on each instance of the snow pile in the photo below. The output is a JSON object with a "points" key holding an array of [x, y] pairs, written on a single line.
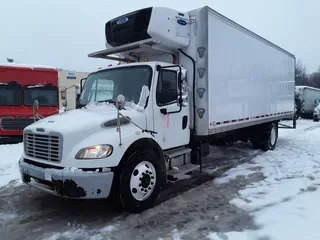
{"points": [[138, 107], [99, 105], [83, 233], [9, 168], [36, 86], [143, 99], [31, 66], [288, 197]]}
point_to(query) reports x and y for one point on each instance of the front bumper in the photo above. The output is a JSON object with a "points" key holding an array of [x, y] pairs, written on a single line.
{"points": [[64, 183]]}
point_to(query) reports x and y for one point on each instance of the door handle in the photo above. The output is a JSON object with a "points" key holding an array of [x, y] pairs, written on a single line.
{"points": [[164, 111]]}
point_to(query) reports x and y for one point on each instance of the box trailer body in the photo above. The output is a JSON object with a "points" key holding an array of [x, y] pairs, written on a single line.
{"points": [[184, 80], [310, 98], [20, 84], [245, 80]]}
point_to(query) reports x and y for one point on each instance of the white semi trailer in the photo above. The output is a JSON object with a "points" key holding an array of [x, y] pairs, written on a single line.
{"points": [[188, 79], [310, 98]]}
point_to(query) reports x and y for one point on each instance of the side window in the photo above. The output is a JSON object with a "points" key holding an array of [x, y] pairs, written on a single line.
{"points": [[167, 90]]}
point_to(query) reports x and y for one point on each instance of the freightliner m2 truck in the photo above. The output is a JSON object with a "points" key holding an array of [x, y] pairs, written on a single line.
{"points": [[20, 85], [184, 80]]}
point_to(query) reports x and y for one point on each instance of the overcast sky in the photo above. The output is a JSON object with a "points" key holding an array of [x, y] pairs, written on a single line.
{"points": [[62, 32]]}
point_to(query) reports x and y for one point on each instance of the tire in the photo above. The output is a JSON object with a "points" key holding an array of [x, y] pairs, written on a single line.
{"points": [[255, 143], [255, 138], [270, 137], [141, 180]]}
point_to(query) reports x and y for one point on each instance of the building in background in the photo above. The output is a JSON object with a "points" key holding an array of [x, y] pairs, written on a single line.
{"points": [[69, 85]]}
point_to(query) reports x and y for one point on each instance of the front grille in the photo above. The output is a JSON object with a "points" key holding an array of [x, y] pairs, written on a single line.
{"points": [[15, 123], [44, 147]]}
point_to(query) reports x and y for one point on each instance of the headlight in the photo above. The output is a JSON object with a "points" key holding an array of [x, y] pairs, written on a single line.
{"points": [[95, 152]]}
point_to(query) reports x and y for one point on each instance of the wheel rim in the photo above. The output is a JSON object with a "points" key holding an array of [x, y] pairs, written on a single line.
{"points": [[273, 136], [143, 181]]}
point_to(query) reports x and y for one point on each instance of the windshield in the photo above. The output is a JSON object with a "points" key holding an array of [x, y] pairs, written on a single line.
{"points": [[47, 96], [108, 84], [10, 94]]}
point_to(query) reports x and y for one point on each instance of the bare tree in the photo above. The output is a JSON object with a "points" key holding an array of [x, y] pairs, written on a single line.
{"points": [[301, 77], [314, 80]]}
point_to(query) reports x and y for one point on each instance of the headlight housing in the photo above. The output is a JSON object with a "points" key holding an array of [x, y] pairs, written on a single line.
{"points": [[95, 152]]}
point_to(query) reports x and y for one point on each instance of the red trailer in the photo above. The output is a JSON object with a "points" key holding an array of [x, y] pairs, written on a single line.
{"points": [[20, 86]]}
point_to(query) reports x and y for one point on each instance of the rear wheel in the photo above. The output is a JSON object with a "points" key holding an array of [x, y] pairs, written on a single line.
{"points": [[140, 181], [265, 137], [270, 137]]}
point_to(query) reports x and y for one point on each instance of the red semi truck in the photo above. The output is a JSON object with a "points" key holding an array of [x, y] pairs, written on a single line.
{"points": [[20, 86]]}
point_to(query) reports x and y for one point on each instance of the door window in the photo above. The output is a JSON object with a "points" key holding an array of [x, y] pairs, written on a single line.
{"points": [[167, 90]]}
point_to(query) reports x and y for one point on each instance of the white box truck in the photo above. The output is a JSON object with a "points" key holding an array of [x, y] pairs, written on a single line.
{"points": [[310, 98], [188, 79]]}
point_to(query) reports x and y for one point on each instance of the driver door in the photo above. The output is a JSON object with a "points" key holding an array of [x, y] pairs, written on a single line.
{"points": [[172, 128]]}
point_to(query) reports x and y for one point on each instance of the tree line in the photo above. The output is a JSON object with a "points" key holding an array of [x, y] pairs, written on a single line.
{"points": [[304, 79]]}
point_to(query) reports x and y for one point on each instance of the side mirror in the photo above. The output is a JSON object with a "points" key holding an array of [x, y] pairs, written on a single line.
{"points": [[65, 103], [63, 94], [82, 82], [78, 97], [184, 74], [78, 100], [35, 106], [182, 97], [120, 102]]}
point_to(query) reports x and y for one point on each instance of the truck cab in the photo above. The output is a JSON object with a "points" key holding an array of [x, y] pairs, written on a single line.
{"points": [[153, 95], [128, 116], [89, 146], [20, 86]]}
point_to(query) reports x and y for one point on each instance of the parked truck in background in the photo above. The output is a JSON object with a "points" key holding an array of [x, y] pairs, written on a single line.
{"points": [[20, 85], [309, 98], [316, 113], [188, 80]]}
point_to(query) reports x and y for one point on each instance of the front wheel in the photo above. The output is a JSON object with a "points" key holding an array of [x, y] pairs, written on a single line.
{"points": [[140, 181]]}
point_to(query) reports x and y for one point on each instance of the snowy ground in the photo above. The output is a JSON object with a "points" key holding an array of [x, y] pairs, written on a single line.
{"points": [[9, 170], [271, 195]]}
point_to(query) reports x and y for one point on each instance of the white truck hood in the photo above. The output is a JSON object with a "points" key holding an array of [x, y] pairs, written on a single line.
{"points": [[85, 120]]}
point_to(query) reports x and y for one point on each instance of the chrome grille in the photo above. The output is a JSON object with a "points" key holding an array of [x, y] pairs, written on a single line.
{"points": [[44, 147]]}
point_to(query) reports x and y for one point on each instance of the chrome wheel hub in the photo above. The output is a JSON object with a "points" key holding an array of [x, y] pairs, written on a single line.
{"points": [[143, 181]]}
